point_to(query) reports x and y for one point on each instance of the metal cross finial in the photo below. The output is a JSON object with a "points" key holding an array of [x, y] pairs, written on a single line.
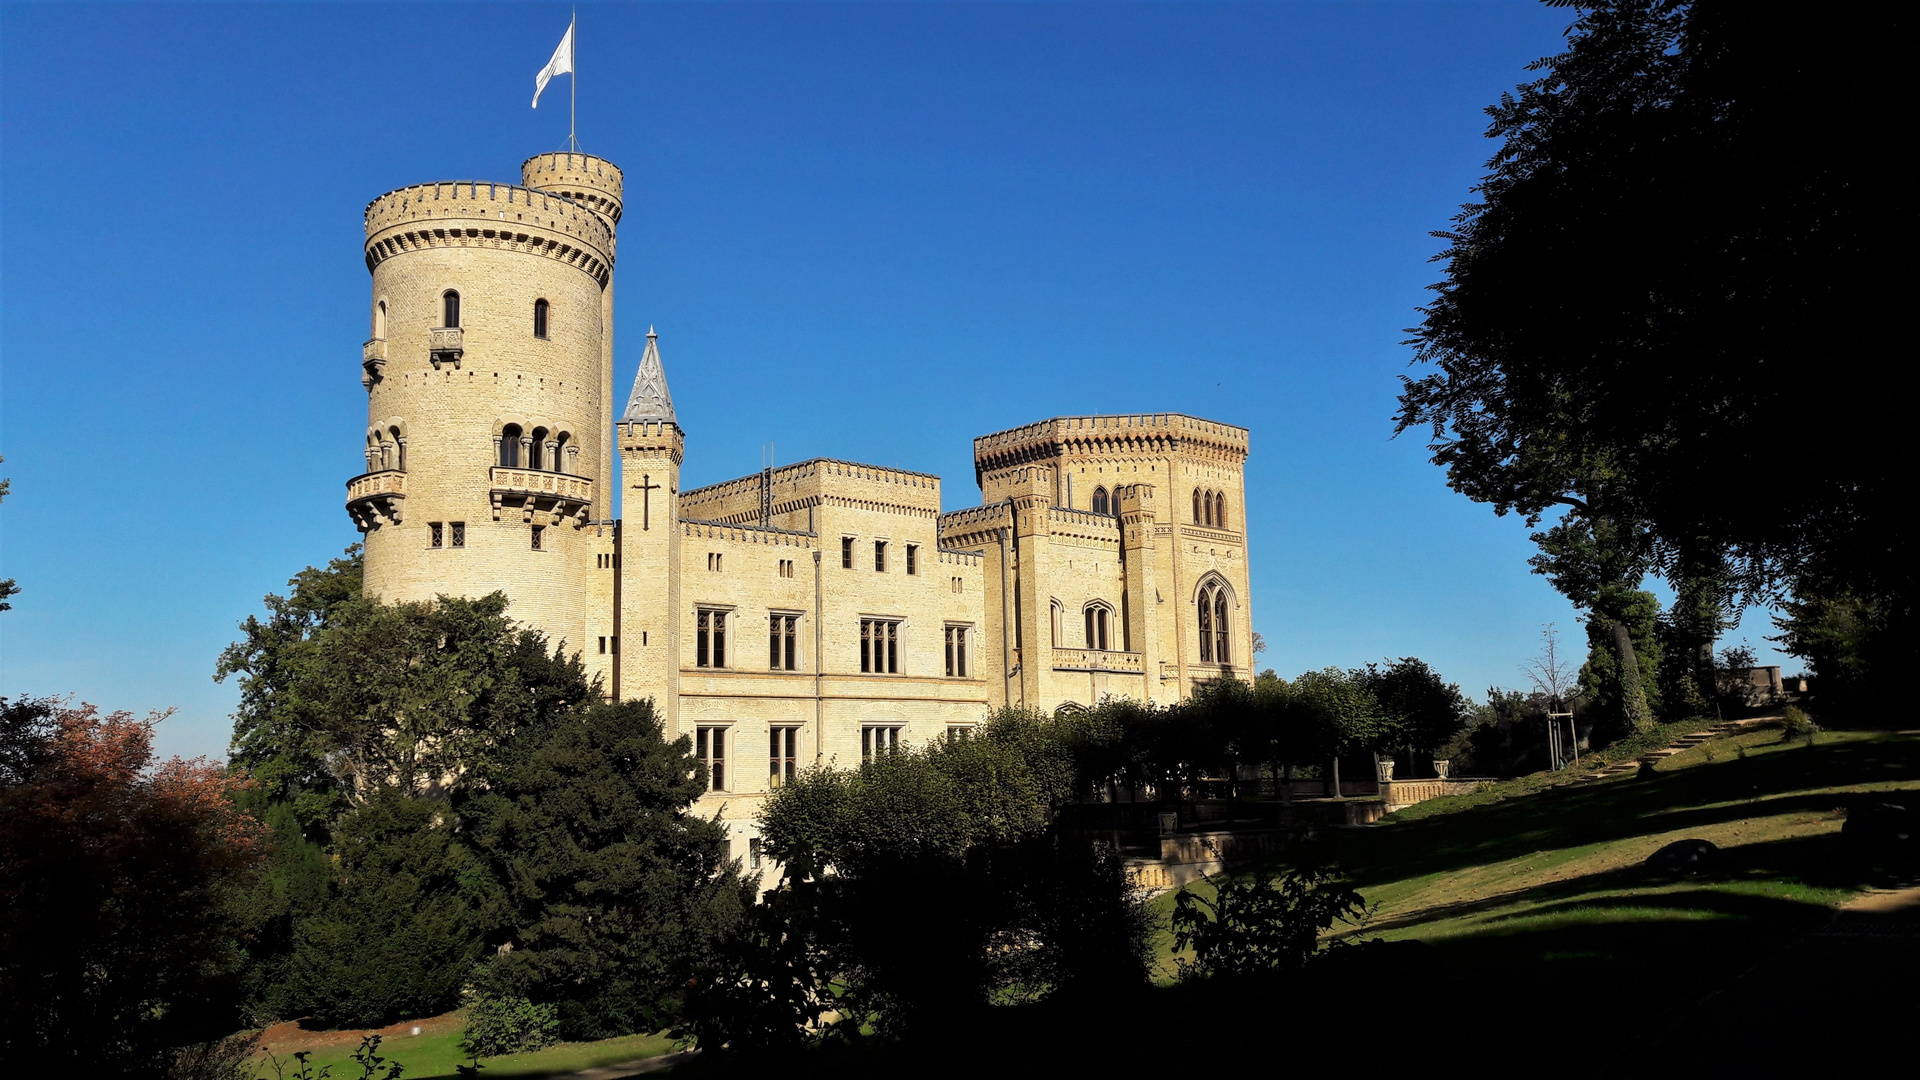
{"points": [[647, 487]]}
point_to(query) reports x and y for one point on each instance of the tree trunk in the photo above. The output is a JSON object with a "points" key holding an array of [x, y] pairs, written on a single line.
{"points": [[1336, 778], [1633, 697]]}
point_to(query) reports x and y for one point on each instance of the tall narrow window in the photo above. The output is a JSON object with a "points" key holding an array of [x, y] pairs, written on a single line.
{"points": [[1220, 509], [1206, 626], [1099, 500], [878, 741], [710, 639], [880, 556], [450, 309], [434, 535], [782, 759], [1059, 616], [539, 533], [559, 463], [880, 646], [1096, 618], [710, 746], [1220, 637], [380, 320], [459, 537], [1196, 506], [540, 318], [510, 446], [782, 637], [913, 558], [956, 642], [537, 453], [846, 553]]}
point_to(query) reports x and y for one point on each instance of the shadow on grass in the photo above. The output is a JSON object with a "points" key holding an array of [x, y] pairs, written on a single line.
{"points": [[1574, 816]]}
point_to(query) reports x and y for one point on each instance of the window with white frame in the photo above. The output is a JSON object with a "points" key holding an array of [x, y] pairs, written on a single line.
{"points": [[710, 748], [880, 646], [878, 740]]}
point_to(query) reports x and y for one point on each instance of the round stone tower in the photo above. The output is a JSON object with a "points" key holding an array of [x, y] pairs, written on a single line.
{"points": [[488, 375]]}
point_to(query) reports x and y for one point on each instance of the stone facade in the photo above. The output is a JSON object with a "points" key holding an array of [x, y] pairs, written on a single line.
{"points": [[810, 613]]}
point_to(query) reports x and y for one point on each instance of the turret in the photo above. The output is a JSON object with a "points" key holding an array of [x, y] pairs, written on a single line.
{"points": [[652, 447]]}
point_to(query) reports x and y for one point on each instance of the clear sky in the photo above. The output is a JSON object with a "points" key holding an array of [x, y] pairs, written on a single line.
{"points": [[864, 231]]}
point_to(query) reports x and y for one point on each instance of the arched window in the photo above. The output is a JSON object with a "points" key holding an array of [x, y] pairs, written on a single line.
{"points": [[1196, 506], [1206, 626], [510, 446], [1214, 625], [400, 448], [560, 452], [450, 309], [1058, 614], [1099, 621], [540, 318], [536, 454], [380, 320], [1099, 500], [1220, 509]]}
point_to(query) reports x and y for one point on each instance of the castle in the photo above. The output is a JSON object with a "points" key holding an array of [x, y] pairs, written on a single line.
{"points": [[823, 611]]}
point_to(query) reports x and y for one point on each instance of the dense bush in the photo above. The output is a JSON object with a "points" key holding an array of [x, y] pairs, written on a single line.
{"points": [[497, 1025]]}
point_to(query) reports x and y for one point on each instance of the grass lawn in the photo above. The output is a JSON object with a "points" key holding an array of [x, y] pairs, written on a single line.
{"points": [[435, 1052]]}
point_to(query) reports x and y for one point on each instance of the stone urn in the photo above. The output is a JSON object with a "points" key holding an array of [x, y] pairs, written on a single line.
{"points": [[1385, 769], [1440, 767], [1169, 822]]}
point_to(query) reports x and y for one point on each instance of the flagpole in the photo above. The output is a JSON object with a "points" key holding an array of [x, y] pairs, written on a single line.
{"points": [[573, 81]]}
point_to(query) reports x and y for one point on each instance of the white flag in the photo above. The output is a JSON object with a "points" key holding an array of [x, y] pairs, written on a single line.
{"points": [[561, 64]]}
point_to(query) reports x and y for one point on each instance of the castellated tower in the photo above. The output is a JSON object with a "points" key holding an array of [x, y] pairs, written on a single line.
{"points": [[488, 376]]}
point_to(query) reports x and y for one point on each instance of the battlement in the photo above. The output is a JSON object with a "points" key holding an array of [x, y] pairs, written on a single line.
{"points": [[592, 182], [476, 213], [1126, 435], [811, 483], [751, 534]]}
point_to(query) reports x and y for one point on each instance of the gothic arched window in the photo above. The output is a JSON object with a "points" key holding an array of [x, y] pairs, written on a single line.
{"points": [[1058, 614], [450, 309], [1196, 506], [1099, 500], [1220, 510], [1220, 653], [1206, 626], [1099, 621], [540, 318], [380, 320], [510, 446]]}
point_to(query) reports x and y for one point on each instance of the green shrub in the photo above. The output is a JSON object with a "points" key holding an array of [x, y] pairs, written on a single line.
{"points": [[1796, 724], [498, 1026], [1255, 926]]}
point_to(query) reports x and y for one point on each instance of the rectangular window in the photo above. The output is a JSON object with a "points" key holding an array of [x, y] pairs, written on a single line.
{"points": [[846, 553], [913, 559], [603, 645], [753, 853], [613, 643], [710, 746], [878, 741], [713, 561], [537, 531], [434, 535], [783, 759], [786, 568], [880, 556], [880, 646], [959, 732], [459, 534], [710, 639], [956, 652], [781, 640]]}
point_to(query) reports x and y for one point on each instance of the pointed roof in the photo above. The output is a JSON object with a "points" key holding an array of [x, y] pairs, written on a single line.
{"points": [[650, 400]]}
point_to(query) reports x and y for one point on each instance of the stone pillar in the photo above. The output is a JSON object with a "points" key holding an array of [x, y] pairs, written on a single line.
{"points": [[1139, 513], [1032, 494]]}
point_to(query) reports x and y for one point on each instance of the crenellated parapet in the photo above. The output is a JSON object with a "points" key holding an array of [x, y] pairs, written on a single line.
{"points": [[479, 214], [593, 182], [1135, 435]]}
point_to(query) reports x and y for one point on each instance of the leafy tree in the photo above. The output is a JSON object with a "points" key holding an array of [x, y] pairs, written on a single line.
{"points": [[610, 889], [1340, 716], [1598, 565], [397, 935], [1426, 710], [1623, 697], [1259, 926], [116, 939], [1661, 307]]}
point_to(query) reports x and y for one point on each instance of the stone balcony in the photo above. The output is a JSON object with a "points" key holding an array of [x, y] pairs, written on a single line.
{"points": [[1120, 663], [373, 357], [445, 345], [377, 497], [532, 491]]}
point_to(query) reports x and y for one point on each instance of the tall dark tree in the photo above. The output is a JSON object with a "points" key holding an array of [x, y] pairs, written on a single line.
{"points": [[610, 889], [1667, 309]]}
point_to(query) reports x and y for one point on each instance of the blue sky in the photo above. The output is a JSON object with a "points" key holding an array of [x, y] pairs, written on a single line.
{"points": [[864, 231]]}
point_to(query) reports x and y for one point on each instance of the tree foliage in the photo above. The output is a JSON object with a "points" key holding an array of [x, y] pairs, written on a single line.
{"points": [[1257, 926], [117, 941]]}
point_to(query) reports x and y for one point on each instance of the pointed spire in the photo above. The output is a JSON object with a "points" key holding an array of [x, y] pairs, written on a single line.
{"points": [[650, 400]]}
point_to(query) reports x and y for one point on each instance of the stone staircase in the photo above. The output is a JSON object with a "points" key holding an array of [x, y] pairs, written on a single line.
{"points": [[1684, 742]]}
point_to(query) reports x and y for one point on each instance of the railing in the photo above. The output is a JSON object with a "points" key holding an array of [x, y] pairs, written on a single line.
{"points": [[1125, 663], [446, 344], [373, 357], [374, 496], [560, 494]]}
